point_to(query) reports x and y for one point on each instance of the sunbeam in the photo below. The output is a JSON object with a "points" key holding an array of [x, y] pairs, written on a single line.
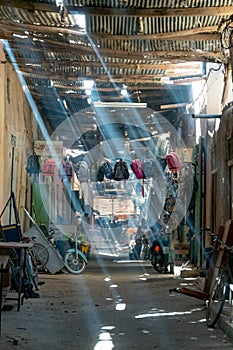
{"points": [[164, 314]]}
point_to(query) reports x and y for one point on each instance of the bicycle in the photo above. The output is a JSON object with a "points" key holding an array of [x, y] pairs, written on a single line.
{"points": [[30, 274], [40, 254], [222, 288]]}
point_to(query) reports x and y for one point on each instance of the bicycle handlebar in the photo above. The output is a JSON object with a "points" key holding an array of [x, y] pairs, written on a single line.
{"points": [[216, 238]]}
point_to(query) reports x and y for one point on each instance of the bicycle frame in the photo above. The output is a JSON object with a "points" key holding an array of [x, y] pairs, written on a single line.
{"points": [[230, 301], [228, 272], [222, 286], [77, 252]]}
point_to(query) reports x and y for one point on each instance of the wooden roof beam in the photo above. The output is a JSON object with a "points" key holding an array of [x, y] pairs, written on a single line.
{"points": [[200, 33], [153, 12], [136, 87], [98, 78], [122, 11], [153, 78], [77, 64], [54, 46], [185, 35]]}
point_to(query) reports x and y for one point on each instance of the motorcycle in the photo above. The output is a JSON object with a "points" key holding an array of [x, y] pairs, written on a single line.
{"points": [[74, 254], [75, 260], [159, 255]]}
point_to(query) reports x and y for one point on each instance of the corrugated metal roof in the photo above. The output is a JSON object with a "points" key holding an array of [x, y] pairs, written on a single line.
{"points": [[126, 42]]}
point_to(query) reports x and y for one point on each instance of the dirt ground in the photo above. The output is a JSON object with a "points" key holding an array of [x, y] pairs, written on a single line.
{"points": [[114, 304]]}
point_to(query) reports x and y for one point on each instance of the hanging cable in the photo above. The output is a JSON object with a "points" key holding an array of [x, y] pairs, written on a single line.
{"points": [[226, 33], [190, 105]]}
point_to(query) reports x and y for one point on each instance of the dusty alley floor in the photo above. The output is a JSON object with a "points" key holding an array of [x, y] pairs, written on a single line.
{"points": [[113, 305]]}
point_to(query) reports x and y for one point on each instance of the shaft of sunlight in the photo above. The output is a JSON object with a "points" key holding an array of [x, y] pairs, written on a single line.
{"points": [[29, 97]]}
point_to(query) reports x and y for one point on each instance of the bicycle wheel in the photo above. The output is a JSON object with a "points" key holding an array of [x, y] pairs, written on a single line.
{"points": [[216, 300], [14, 269], [157, 263], [74, 263], [32, 269], [40, 255]]}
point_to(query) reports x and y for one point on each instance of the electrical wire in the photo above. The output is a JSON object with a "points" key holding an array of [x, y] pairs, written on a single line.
{"points": [[226, 33], [189, 106]]}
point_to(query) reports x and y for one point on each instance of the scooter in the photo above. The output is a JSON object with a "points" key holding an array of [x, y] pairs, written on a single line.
{"points": [[75, 260], [159, 255]]}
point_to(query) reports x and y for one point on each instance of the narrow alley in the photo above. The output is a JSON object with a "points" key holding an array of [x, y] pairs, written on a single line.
{"points": [[114, 304]]}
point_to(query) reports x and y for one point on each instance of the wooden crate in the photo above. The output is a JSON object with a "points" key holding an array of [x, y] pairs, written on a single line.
{"points": [[181, 251], [4, 259], [185, 273]]}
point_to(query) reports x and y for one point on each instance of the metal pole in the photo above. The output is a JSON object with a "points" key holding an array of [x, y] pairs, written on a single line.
{"points": [[1, 299]]}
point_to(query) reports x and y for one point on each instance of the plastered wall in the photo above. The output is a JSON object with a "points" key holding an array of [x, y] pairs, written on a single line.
{"points": [[219, 176], [16, 139]]}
